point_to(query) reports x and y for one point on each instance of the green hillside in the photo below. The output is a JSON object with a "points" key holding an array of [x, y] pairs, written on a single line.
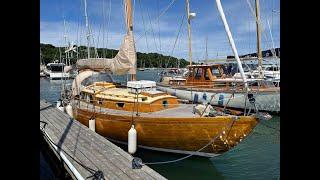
{"points": [[51, 53]]}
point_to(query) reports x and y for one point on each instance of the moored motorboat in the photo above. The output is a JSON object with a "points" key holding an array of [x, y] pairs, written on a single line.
{"points": [[56, 70], [204, 81]]}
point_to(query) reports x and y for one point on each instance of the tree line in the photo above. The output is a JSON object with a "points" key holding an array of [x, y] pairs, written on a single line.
{"points": [[50, 53]]}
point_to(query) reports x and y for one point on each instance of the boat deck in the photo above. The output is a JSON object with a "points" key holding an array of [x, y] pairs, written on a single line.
{"points": [[183, 110]]}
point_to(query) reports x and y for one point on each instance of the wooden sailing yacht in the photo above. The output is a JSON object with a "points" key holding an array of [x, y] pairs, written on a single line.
{"points": [[204, 81], [161, 122]]}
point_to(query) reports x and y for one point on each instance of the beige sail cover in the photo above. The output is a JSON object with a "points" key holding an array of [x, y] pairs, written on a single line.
{"points": [[76, 84], [67, 69], [123, 63]]}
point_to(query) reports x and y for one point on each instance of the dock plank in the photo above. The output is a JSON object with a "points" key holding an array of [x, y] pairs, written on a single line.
{"points": [[102, 145], [91, 159], [84, 172], [90, 148]]}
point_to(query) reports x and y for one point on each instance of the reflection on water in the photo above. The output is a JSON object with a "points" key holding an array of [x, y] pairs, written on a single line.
{"points": [[45, 170], [257, 157]]}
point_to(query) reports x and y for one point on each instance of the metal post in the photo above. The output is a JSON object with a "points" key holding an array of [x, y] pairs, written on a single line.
{"points": [[259, 51], [189, 31], [87, 26], [232, 44]]}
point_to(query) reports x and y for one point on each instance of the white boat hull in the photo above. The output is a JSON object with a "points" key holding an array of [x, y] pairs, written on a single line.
{"points": [[61, 75], [265, 101]]}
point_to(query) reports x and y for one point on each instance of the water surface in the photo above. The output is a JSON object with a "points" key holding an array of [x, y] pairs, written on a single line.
{"points": [[257, 157]]}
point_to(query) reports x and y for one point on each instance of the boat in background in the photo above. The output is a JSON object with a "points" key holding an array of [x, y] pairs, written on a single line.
{"points": [[56, 70], [270, 72], [205, 81]]}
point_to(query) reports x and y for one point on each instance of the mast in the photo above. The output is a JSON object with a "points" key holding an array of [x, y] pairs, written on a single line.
{"points": [[206, 60], [274, 55], [60, 54], [189, 31], [87, 26], [259, 51], [128, 12], [65, 41], [231, 41]]}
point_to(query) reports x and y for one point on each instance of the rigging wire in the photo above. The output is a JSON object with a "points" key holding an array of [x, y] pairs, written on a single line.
{"points": [[77, 40], [144, 26], [157, 18], [108, 29], [193, 153], [95, 48], [98, 39], [151, 26], [103, 29], [273, 49], [160, 63], [175, 42], [259, 22]]}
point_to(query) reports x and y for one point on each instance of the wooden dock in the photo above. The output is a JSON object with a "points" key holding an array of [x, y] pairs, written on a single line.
{"points": [[87, 147]]}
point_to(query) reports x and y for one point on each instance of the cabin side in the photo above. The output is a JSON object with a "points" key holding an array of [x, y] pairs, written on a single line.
{"points": [[106, 95]]}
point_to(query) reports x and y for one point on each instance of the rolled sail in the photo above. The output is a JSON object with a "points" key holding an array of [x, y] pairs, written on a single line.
{"points": [[76, 84], [67, 69], [123, 63]]}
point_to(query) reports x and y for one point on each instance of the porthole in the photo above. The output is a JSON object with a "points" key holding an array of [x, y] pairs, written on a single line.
{"points": [[120, 104], [91, 98], [99, 101], [165, 103]]}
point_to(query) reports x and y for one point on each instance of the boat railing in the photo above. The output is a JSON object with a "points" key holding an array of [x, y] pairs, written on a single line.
{"points": [[90, 106], [104, 110], [235, 88]]}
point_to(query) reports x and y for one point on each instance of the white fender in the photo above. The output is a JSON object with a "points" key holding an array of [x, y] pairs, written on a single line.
{"points": [[69, 110], [92, 124], [132, 140]]}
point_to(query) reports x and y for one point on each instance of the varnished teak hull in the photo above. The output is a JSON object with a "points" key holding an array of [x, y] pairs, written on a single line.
{"points": [[177, 134]]}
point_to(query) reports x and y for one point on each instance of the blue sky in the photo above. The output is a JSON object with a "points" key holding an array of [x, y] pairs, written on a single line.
{"points": [[162, 33]]}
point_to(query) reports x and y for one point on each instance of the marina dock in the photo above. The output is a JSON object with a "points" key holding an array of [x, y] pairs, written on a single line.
{"points": [[84, 152]]}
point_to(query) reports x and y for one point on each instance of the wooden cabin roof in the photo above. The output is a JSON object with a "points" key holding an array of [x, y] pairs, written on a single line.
{"points": [[203, 65], [97, 87], [198, 66], [110, 92]]}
